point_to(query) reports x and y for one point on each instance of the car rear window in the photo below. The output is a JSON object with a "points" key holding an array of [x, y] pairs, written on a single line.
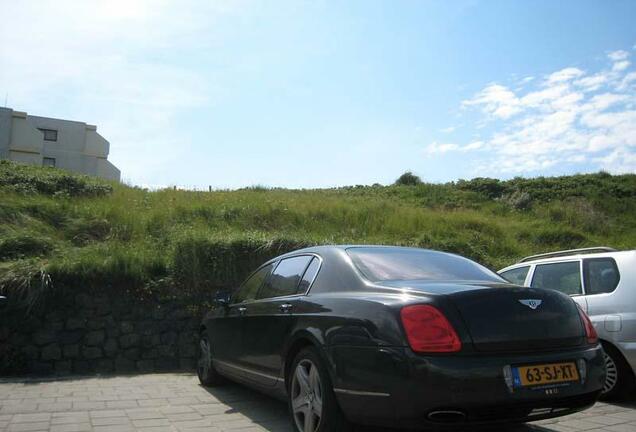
{"points": [[516, 276], [384, 264]]}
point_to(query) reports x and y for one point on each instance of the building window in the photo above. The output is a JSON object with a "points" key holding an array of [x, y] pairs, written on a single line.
{"points": [[49, 134], [48, 162]]}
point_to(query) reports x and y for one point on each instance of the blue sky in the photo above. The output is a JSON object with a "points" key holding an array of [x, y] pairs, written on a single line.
{"points": [[326, 93]]}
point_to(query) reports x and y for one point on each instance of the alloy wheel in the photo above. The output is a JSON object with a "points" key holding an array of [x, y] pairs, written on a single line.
{"points": [[203, 367], [306, 397], [611, 377]]}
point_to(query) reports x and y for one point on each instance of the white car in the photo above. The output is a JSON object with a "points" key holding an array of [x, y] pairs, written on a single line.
{"points": [[602, 281]]}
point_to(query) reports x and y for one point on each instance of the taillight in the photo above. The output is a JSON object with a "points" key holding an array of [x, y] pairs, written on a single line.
{"points": [[428, 330], [590, 331]]}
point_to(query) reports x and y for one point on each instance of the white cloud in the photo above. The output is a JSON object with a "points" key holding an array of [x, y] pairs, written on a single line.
{"points": [[549, 93], [628, 79], [448, 129], [618, 55], [620, 60], [496, 100], [620, 66], [568, 118], [603, 101], [441, 148], [592, 82], [564, 75], [577, 158], [621, 160], [475, 145]]}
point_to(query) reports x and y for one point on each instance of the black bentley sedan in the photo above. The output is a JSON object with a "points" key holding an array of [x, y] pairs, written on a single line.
{"points": [[401, 337]]}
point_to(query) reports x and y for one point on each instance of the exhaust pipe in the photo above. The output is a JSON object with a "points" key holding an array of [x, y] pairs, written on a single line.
{"points": [[447, 416]]}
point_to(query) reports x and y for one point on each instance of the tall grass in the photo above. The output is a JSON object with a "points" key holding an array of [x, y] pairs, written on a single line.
{"points": [[96, 235]]}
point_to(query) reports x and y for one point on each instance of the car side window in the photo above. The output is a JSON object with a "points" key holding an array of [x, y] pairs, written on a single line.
{"points": [[250, 287], [309, 276], [285, 278], [516, 276], [601, 275], [563, 276]]}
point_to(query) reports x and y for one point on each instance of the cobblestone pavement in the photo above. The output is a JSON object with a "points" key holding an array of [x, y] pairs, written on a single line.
{"points": [[176, 402]]}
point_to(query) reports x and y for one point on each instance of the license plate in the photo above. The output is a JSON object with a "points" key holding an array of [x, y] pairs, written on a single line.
{"points": [[544, 374]]}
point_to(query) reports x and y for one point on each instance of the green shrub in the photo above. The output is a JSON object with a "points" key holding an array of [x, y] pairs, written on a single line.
{"points": [[489, 249], [23, 245], [52, 212], [470, 247], [518, 200], [85, 231], [26, 283], [408, 179], [24, 179], [580, 213], [492, 188], [108, 265], [563, 238], [204, 265], [9, 213]]}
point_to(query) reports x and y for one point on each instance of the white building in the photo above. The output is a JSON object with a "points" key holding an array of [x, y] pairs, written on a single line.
{"points": [[42, 141]]}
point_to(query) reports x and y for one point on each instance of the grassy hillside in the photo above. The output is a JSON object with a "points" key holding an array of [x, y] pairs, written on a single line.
{"points": [[60, 231]]}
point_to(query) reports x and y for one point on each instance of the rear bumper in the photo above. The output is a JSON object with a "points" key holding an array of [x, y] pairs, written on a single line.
{"points": [[394, 386]]}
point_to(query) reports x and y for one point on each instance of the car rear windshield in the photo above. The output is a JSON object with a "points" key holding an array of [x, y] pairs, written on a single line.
{"points": [[384, 264]]}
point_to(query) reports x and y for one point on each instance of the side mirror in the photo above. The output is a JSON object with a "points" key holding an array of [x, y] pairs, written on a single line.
{"points": [[222, 299], [3, 301]]}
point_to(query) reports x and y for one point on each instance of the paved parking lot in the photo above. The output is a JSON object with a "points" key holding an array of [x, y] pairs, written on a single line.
{"points": [[176, 402]]}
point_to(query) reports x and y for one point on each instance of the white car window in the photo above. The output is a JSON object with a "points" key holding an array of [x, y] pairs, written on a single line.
{"points": [[516, 276], [563, 276], [601, 275], [285, 278]]}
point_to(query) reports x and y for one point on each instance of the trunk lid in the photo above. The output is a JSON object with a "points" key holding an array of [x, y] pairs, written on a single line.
{"points": [[511, 318]]}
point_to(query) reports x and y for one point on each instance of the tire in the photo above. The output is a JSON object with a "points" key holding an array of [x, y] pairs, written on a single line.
{"points": [[619, 382], [208, 376], [310, 392]]}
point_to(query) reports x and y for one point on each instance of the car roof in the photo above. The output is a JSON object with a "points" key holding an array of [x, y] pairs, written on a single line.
{"points": [[338, 249], [326, 248], [572, 257]]}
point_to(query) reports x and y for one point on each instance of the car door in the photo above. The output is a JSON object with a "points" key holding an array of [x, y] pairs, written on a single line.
{"points": [[268, 320], [564, 276], [226, 329]]}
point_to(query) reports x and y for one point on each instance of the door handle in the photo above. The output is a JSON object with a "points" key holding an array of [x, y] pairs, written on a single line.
{"points": [[241, 310], [286, 307]]}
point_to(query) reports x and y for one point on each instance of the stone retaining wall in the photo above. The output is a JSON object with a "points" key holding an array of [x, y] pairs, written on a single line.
{"points": [[99, 334]]}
